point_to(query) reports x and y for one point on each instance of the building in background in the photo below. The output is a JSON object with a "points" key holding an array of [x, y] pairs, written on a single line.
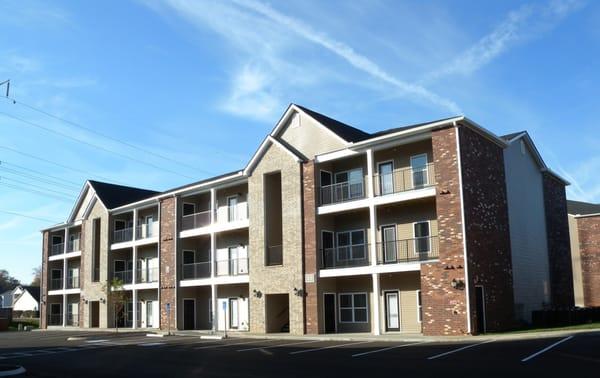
{"points": [[440, 228], [21, 299]]}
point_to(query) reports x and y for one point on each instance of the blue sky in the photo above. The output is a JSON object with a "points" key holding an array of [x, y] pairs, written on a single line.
{"points": [[201, 83]]}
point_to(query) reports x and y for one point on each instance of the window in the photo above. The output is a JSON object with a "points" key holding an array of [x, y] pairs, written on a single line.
{"points": [[353, 308], [421, 234], [189, 208], [351, 245], [232, 208], [418, 165], [189, 256], [56, 239], [352, 187], [386, 177], [419, 307]]}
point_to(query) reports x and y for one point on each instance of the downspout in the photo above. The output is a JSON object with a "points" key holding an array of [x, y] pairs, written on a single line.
{"points": [[464, 232]]}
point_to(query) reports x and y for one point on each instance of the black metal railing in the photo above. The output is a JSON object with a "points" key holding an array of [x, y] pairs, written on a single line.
{"points": [[408, 250], [123, 235], [55, 319], [402, 180], [56, 284], [73, 282], [345, 257], [147, 275], [57, 249], [73, 320], [146, 230], [125, 276], [73, 245], [196, 270], [275, 255], [232, 267], [197, 220], [342, 192]]}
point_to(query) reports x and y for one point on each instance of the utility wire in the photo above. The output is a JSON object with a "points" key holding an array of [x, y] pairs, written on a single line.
{"points": [[26, 175], [36, 186], [58, 164], [43, 194], [27, 216], [93, 145], [60, 179], [88, 129]]}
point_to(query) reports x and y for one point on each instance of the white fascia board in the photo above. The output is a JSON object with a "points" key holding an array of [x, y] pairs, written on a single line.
{"points": [[577, 216], [261, 150], [557, 176], [80, 198], [56, 227], [335, 155]]}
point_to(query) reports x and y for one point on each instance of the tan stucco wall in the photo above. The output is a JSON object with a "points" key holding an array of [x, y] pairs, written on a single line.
{"points": [[576, 262], [276, 279]]}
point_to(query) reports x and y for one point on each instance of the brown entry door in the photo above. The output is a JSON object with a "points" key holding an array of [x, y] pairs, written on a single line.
{"points": [[94, 314]]}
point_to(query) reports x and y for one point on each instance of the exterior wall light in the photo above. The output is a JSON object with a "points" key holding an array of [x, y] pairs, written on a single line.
{"points": [[299, 292], [457, 284], [257, 293]]}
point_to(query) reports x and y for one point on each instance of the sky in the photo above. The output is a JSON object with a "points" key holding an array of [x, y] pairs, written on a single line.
{"points": [[156, 94]]}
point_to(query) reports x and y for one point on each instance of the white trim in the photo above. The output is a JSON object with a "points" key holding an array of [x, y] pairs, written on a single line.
{"points": [[378, 164], [585, 215], [335, 310], [464, 228], [412, 176], [289, 112], [484, 314], [415, 237], [262, 149], [195, 314], [364, 244], [385, 307], [366, 294]]}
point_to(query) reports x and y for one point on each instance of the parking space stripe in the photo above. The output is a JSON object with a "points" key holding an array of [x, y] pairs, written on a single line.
{"points": [[386, 349], [547, 348], [458, 350], [230, 344], [329, 347], [278, 346]]}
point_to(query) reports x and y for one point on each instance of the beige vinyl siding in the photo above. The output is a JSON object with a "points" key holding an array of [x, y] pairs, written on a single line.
{"points": [[401, 155], [405, 215], [407, 284]]}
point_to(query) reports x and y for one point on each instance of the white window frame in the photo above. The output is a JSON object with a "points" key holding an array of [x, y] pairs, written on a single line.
{"points": [[353, 308], [395, 237], [351, 258], [426, 169], [415, 237], [385, 307], [379, 176], [183, 207], [235, 212], [419, 306]]}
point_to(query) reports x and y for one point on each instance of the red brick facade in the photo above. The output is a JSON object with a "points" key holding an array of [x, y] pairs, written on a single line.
{"points": [[44, 281], [444, 307], [559, 247], [487, 230], [589, 248], [168, 279], [311, 313]]}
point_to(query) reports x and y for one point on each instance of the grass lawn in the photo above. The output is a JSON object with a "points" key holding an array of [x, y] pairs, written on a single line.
{"points": [[566, 328]]}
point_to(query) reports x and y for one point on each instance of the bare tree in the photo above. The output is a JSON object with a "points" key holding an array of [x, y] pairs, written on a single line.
{"points": [[37, 276], [115, 297]]}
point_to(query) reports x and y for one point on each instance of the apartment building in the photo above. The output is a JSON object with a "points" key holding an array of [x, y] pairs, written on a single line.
{"points": [[584, 230], [440, 228]]}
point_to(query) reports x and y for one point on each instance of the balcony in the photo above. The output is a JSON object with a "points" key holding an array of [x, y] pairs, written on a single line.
{"points": [[146, 230], [73, 282], [56, 284], [232, 267], [234, 213], [123, 235], [196, 270], [73, 320], [57, 249], [197, 220], [55, 319], [125, 276], [402, 180], [342, 192], [345, 257], [408, 250], [147, 275], [73, 245]]}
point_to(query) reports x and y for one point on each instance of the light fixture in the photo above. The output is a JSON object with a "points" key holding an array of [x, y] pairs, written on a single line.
{"points": [[299, 292], [257, 293], [457, 284]]}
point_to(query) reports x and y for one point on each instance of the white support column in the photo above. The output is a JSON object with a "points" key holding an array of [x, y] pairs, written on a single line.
{"points": [[134, 281], [213, 297], [135, 224], [134, 296], [213, 206], [213, 254], [370, 173], [64, 313], [376, 321], [64, 277], [213, 241], [372, 210]]}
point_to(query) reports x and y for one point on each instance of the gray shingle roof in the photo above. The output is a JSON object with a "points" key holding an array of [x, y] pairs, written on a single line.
{"points": [[582, 208], [113, 195]]}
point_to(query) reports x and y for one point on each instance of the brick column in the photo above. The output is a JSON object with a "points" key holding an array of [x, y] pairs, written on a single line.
{"points": [[559, 247], [445, 308], [168, 259], [589, 249], [311, 299], [44, 281]]}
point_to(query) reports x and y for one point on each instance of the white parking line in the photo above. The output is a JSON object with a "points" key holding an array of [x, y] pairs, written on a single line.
{"points": [[546, 349], [151, 344], [329, 347], [229, 344], [388, 348], [277, 346], [458, 350]]}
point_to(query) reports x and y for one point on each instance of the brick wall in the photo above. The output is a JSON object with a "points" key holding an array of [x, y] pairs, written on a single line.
{"points": [[44, 281], [444, 308], [168, 279], [559, 249], [589, 249], [311, 310], [487, 229]]}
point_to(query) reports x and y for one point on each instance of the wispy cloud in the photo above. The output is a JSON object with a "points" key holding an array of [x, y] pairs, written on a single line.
{"points": [[527, 22]]}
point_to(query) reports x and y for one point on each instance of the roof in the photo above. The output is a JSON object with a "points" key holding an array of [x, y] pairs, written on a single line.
{"points": [[408, 127], [201, 182], [582, 208], [344, 131], [113, 195], [510, 136], [34, 291]]}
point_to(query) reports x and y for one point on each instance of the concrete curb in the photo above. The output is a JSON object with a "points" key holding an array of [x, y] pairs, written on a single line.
{"points": [[18, 370]]}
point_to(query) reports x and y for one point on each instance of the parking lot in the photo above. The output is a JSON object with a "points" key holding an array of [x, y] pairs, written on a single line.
{"points": [[48, 354]]}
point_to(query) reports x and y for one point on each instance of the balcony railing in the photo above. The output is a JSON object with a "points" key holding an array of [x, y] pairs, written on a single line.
{"points": [[57, 249], [125, 276], [123, 235], [345, 257], [196, 270], [402, 180], [73, 320], [342, 192], [73, 245], [55, 319], [235, 213], [275, 255], [147, 275], [56, 284], [73, 282], [146, 230], [197, 220], [232, 267], [408, 250]]}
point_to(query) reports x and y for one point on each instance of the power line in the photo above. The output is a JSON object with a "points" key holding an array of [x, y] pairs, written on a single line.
{"points": [[74, 184], [88, 129], [94, 145], [58, 164], [43, 194], [26, 175], [28, 216], [36, 186]]}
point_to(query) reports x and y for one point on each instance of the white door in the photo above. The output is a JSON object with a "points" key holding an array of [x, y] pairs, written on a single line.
{"points": [[232, 209], [149, 224], [392, 309], [242, 266], [386, 178], [388, 235], [233, 261], [222, 313], [149, 314], [222, 262], [234, 313]]}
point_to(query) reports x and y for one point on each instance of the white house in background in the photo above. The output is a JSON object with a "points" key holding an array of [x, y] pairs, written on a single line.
{"points": [[21, 298]]}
